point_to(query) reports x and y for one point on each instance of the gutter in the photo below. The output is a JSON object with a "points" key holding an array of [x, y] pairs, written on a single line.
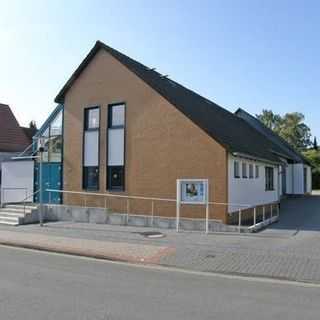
{"points": [[250, 157]]}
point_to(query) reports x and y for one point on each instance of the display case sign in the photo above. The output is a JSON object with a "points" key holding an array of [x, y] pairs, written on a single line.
{"points": [[193, 191]]}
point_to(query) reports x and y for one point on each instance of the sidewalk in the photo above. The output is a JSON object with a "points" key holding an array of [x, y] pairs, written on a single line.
{"points": [[120, 251], [281, 254]]}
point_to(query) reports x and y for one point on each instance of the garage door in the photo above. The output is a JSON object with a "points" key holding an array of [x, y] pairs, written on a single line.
{"points": [[16, 181]]}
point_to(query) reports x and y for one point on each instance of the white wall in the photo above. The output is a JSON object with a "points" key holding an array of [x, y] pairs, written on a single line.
{"points": [[295, 178], [309, 179], [289, 179], [298, 178], [250, 191], [17, 174]]}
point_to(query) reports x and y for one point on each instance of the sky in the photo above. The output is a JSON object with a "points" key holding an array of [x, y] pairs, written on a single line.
{"points": [[252, 54]]}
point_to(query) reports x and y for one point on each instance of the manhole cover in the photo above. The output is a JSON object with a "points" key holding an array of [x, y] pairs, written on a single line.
{"points": [[152, 234], [210, 256]]}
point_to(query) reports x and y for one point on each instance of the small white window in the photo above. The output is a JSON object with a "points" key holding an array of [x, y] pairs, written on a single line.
{"points": [[117, 115], [244, 170], [92, 118]]}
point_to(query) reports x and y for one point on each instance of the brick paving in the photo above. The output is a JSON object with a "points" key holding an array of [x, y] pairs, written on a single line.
{"points": [[289, 249], [120, 251]]}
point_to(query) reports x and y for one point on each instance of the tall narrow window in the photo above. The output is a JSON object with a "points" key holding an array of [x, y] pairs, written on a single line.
{"points": [[251, 171], [236, 169], [269, 179], [116, 146], [244, 170], [257, 171], [91, 149]]}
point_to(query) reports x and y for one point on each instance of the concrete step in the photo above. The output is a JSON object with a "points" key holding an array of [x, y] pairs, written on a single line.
{"points": [[21, 207], [13, 221], [16, 210], [5, 213]]}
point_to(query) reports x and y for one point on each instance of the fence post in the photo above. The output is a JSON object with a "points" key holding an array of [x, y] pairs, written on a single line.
{"points": [[178, 216], [152, 213], [254, 216], [278, 210], [207, 217], [263, 213], [271, 206], [85, 200], [128, 209], [239, 220]]}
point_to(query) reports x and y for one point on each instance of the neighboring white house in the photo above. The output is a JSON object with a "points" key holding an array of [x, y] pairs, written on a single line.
{"points": [[17, 181], [13, 140]]}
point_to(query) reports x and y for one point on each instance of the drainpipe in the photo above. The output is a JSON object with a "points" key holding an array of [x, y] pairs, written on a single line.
{"points": [[278, 181], [292, 178]]}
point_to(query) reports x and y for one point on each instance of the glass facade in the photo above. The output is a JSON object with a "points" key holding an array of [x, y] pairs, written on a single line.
{"points": [[53, 140]]}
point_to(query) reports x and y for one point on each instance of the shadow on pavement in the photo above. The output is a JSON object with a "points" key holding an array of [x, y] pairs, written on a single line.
{"points": [[299, 214]]}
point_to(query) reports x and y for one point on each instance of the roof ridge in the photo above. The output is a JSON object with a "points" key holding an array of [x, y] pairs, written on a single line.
{"points": [[164, 78], [233, 133], [271, 131]]}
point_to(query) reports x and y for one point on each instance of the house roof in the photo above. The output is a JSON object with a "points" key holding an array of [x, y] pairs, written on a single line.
{"points": [[29, 132], [12, 136], [287, 149], [232, 132]]}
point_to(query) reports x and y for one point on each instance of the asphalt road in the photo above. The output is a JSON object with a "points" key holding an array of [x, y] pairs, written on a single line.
{"points": [[36, 285]]}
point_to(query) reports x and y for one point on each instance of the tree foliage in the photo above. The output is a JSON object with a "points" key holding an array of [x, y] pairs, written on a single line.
{"points": [[313, 155], [315, 143], [270, 120], [290, 127]]}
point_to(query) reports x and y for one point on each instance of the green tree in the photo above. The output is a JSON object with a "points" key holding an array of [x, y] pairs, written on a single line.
{"points": [[290, 127], [315, 143], [270, 119], [295, 131]]}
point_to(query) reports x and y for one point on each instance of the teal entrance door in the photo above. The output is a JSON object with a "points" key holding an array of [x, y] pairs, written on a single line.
{"points": [[51, 179]]}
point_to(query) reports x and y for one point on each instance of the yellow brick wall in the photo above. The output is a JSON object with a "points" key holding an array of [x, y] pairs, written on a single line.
{"points": [[162, 144]]}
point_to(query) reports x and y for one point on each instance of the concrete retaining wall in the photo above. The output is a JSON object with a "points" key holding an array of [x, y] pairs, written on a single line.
{"points": [[105, 216]]}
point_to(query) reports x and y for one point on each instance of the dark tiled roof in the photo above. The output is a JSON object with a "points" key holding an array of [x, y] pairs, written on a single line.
{"points": [[287, 149], [29, 132], [232, 132], [12, 137]]}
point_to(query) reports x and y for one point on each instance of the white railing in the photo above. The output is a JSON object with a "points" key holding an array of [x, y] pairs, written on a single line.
{"points": [[239, 212], [24, 200]]}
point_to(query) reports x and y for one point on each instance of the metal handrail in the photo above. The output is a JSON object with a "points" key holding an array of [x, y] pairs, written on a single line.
{"points": [[26, 198], [140, 197], [26, 149], [110, 195], [241, 207], [30, 195]]}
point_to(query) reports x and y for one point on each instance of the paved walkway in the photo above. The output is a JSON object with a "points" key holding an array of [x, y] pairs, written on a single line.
{"points": [[120, 251], [289, 249]]}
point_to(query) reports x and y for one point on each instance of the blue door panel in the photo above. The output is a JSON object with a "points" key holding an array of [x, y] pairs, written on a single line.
{"points": [[51, 179]]}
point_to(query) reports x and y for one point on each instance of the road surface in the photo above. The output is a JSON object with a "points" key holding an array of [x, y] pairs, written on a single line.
{"points": [[38, 286]]}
